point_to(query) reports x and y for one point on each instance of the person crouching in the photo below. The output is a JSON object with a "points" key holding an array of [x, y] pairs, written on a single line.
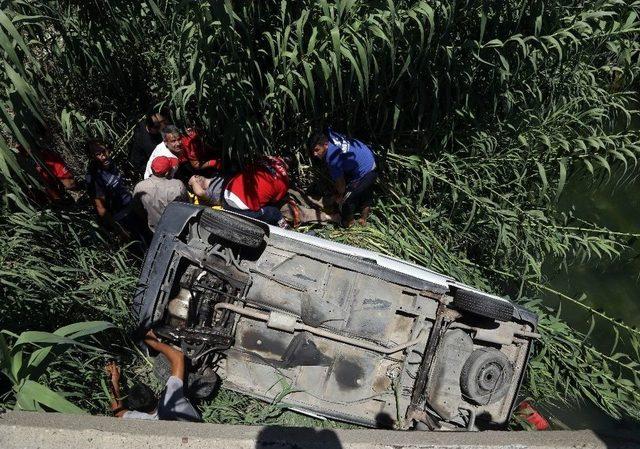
{"points": [[152, 195], [352, 167], [258, 189]]}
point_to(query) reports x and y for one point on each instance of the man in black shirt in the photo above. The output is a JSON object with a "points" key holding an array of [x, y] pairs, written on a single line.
{"points": [[145, 138], [111, 197]]}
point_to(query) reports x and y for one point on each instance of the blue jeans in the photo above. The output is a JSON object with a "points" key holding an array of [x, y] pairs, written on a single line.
{"points": [[269, 214]]}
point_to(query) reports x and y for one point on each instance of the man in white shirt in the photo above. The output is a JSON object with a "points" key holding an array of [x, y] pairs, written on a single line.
{"points": [[171, 147]]}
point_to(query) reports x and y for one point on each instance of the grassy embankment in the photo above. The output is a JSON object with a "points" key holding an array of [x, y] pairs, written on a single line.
{"points": [[480, 112]]}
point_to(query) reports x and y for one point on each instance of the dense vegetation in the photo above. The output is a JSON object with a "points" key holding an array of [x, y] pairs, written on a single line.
{"points": [[480, 111]]}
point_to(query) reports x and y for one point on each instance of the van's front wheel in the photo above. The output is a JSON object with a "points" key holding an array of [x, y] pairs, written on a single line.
{"points": [[482, 305], [232, 228]]}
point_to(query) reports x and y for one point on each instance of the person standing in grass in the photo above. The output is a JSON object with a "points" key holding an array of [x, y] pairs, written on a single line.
{"points": [[352, 168], [171, 147], [110, 195], [152, 195], [146, 137], [51, 170], [142, 403]]}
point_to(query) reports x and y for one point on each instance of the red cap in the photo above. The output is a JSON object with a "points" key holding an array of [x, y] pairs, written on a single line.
{"points": [[161, 165]]}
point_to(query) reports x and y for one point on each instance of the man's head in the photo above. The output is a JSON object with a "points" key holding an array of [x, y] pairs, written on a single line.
{"points": [[99, 153], [142, 399], [200, 181], [279, 165], [172, 139], [163, 166], [318, 144], [156, 122]]}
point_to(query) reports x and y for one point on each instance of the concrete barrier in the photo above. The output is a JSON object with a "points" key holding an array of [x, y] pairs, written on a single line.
{"points": [[53, 431]]}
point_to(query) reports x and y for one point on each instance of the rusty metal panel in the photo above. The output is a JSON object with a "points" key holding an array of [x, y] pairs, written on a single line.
{"points": [[352, 381]]}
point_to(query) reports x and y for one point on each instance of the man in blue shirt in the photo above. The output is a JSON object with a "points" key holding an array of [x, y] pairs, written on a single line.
{"points": [[352, 168]]}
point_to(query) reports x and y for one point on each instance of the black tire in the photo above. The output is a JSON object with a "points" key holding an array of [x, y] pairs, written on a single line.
{"points": [[486, 376], [232, 228], [483, 305]]}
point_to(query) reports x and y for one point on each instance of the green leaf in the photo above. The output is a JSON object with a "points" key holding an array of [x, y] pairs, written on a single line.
{"points": [[483, 24], [83, 328], [16, 364], [38, 337], [543, 176], [32, 392], [562, 178], [5, 359], [603, 162], [312, 41]]}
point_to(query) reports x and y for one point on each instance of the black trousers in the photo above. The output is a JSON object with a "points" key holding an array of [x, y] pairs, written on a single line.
{"points": [[358, 195]]}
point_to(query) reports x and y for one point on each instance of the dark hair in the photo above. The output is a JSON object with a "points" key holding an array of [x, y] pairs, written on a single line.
{"points": [[94, 166], [92, 143], [142, 398], [315, 139], [170, 129], [148, 119]]}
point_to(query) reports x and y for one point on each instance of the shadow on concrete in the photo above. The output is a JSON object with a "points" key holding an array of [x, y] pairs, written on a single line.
{"points": [[621, 439], [384, 421], [277, 437]]}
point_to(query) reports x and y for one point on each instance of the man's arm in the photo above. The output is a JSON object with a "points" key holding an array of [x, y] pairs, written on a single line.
{"points": [[206, 158], [196, 187], [117, 405], [69, 183], [175, 357], [200, 165], [196, 164], [107, 220], [103, 213]]}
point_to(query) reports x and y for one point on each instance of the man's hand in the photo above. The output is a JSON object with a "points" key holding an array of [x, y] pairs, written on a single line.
{"points": [[193, 180], [150, 334], [113, 371], [213, 163]]}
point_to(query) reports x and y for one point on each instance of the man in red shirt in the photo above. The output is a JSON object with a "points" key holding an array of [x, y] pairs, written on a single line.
{"points": [[54, 174], [201, 156], [257, 189]]}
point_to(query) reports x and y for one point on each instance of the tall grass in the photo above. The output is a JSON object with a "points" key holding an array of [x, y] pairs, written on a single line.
{"points": [[480, 113], [57, 268]]}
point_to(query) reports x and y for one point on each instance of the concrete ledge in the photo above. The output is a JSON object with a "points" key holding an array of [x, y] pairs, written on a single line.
{"points": [[53, 430]]}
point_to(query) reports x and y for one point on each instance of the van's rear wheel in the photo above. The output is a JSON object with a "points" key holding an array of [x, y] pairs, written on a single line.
{"points": [[232, 228], [483, 305]]}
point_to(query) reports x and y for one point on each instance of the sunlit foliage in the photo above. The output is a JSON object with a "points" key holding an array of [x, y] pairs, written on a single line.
{"points": [[480, 112]]}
